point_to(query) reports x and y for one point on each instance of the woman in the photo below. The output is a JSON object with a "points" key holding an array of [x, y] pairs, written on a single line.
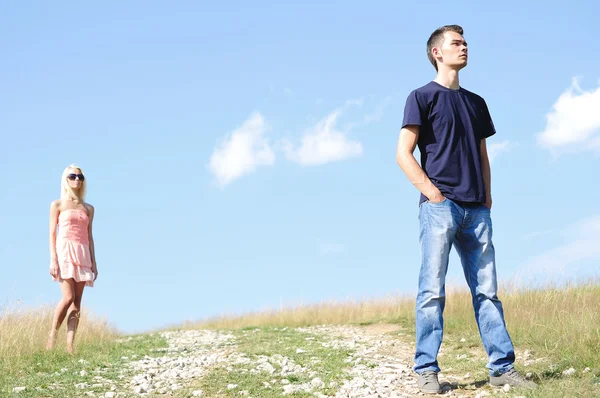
{"points": [[72, 257]]}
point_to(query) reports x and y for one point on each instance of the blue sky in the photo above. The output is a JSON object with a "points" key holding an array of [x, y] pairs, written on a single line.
{"points": [[241, 156]]}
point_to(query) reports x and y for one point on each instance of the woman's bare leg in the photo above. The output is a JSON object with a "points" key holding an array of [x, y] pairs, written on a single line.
{"points": [[68, 295], [74, 313]]}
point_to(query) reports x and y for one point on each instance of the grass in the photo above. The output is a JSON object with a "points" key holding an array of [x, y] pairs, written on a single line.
{"points": [[24, 332], [554, 328], [316, 361], [98, 358], [356, 312], [562, 324], [558, 325]]}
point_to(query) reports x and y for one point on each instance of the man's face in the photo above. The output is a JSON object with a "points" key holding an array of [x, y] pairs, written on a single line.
{"points": [[453, 51]]}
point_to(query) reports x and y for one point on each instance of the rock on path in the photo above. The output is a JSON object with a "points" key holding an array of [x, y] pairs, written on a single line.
{"points": [[380, 365], [189, 355]]}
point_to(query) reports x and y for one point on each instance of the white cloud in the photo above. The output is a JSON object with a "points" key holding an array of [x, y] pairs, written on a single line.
{"points": [[324, 142], [578, 253], [574, 122], [242, 151], [497, 148]]}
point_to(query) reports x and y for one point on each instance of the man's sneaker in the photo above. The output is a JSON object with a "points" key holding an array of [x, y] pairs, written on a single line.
{"points": [[513, 379], [428, 382]]}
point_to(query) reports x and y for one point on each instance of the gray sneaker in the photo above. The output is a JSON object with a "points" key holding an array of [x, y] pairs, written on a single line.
{"points": [[428, 382], [513, 379]]}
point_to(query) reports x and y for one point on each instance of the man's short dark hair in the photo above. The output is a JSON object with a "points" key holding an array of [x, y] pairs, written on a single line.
{"points": [[436, 39]]}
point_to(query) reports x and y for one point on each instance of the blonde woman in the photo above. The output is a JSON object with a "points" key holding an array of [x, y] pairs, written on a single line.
{"points": [[72, 257]]}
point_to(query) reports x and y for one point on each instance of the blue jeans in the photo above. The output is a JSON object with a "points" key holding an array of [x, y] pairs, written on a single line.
{"points": [[469, 229]]}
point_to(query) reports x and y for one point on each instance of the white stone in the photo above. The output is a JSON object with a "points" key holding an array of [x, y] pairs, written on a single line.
{"points": [[140, 389], [569, 372], [266, 367], [197, 393], [231, 386], [288, 389], [19, 389], [317, 383]]}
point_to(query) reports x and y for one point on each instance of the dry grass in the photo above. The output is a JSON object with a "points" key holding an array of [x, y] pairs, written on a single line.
{"points": [[24, 332], [558, 322], [325, 313]]}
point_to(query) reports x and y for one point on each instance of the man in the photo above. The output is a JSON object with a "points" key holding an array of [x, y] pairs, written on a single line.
{"points": [[450, 126]]}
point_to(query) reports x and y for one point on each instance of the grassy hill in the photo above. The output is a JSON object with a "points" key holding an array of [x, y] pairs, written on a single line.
{"points": [[556, 331]]}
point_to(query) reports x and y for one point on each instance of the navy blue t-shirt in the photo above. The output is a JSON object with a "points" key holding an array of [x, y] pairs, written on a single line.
{"points": [[452, 124]]}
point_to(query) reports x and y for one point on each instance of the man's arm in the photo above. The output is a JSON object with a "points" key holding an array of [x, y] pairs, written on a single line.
{"points": [[487, 173], [407, 142]]}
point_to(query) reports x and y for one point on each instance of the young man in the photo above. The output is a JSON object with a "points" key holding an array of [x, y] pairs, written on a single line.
{"points": [[450, 125]]}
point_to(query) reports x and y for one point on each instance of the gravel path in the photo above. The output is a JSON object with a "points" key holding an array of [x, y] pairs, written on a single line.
{"points": [[380, 366]]}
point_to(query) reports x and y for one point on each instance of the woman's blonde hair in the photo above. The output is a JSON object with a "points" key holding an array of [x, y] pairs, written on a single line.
{"points": [[66, 191]]}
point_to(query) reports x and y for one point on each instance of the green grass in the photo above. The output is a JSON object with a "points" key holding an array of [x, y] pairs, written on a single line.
{"points": [[327, 364], [558, 324], [56, 373], [560, 327]]}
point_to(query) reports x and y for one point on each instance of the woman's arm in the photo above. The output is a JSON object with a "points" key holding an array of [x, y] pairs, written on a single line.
{"points": [[54, 211], [91, 240]]}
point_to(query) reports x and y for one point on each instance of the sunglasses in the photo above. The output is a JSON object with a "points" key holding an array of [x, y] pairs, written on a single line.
{"points": [[72, 177]]}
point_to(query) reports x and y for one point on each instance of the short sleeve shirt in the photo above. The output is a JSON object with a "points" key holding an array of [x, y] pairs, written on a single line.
{"points": [[452, 124]]}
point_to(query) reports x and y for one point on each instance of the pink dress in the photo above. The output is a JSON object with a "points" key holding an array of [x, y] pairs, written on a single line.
{"points": [[73, 247]]}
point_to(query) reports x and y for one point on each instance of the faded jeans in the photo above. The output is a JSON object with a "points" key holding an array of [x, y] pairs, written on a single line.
{"points": [[469, 229]]}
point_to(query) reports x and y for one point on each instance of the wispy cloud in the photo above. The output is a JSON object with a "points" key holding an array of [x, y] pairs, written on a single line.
{"points": [[541, 234], [573, 125], [580, 249], [331, 248], [496, 148], [242, 151], [354, 102], [377, 113], [325, 142]]}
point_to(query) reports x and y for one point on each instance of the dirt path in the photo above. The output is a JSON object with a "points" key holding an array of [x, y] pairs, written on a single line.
{"points": [[380, 365]]}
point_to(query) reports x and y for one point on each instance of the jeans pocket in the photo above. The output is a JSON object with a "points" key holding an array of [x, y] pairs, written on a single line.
{"points": [[438, 203]]}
